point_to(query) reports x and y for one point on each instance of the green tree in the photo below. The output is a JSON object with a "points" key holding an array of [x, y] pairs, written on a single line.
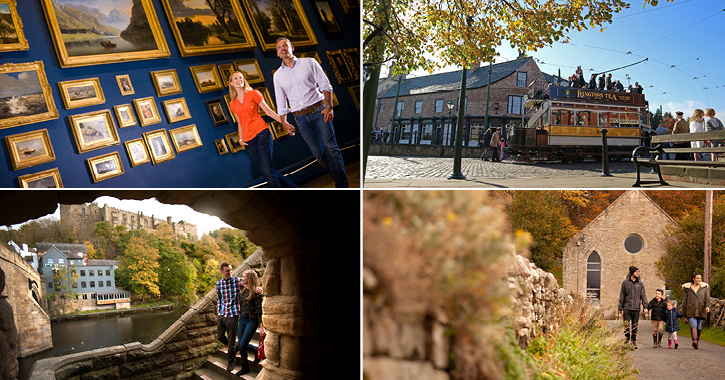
{"points": [[176, 275], [657, 118], [140, 263], [108, 239], [65, 279]]}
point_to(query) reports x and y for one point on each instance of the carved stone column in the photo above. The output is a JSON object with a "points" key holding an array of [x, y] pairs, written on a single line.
{"points": [[9, 348]]}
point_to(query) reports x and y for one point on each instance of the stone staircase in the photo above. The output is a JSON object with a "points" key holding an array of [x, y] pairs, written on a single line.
{"points": [[215, 367]]}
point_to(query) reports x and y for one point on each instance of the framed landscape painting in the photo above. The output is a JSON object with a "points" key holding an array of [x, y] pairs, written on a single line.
{"points": [[159, 146], [250, 69], [206, 78], [125, 116], [209, 27], [272, 19], [47, 179], [105, 166], [81, 93], [176, 110], [166, 82], [30, 149], [94, 130], [185, 138], [25, 95], [104, 31], [12, 37]]}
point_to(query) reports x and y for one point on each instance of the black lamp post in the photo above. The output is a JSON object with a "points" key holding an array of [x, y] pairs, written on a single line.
{"points": [[450, 106]]}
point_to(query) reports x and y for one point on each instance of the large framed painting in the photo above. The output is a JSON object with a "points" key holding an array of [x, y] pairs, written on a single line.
{"points": [[94, 130], [12, 37], [47, 179], [104, 31], [328, 20], [25, 95], [159, 146], [185, 138], [105, 166], [30, 149], [81, 93], [272, 19], [209, 27], [250, 69]]}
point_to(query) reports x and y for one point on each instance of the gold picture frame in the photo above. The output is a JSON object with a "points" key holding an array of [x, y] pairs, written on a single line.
{"points": [[166, 82], [225, 72], [198, 30], [221, 146], [124, 115], [159, 146], [30, 149], [124, 84], [137, 152], [176, 110], [350, 6], [233, 141], [14, 39], [216, 114], [340, 66], [355, 95], [81, 93], [185, 138], [94, 130], [26, 96], [267, 32], [251, 70], [277, 129], [206, 78], [112, 44], [267, 99], [47, 179], [228, 100], [309, 54], [146, 110], [105, 166], [352, 58]]}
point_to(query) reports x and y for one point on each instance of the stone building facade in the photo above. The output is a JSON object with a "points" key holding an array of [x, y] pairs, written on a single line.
{"points": [[630, 232], [87, 215]]}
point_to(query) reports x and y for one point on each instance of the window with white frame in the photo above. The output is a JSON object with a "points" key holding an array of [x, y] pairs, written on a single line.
{"points": [[514, 106], [399, 110], [521, 79], [439, 105], [418, 106]]}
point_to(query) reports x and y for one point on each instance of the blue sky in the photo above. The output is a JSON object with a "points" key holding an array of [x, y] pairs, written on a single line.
{"points": [[686, 34]]}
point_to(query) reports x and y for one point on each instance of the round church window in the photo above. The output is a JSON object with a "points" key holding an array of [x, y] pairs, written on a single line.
{"points": [[633, 244]]}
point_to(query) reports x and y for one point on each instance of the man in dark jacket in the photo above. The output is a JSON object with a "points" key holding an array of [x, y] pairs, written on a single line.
{"points": [[658, 309], [486, 144], [630, 296]]}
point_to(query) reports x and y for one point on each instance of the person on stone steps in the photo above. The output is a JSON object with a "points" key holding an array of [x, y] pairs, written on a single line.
{"points": [[658, 308], [631, 295], [250, 316], [696, 305]]}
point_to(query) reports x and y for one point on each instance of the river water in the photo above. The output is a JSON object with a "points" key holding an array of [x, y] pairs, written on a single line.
{"points": [[70, 337]]}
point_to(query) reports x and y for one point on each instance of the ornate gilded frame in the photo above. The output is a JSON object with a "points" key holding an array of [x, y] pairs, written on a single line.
{"points": [[254, 77], [146, 104], [225, 71], [166, 82], [189, 49], [30, 149], [268, 40], [185, 138], [355, 94], [180, 102], [124, 109], [221, 146], [228, 100], [206, 78], [277, 129], [87, 128], [73, 91], [17, 24], [159, 146], [332, 27], [350, 6], [340, 66], [139, 147], [233, 141], [115, 167], [216, 121], [267, 99], [120, 80], [160, 50], [26, 181], [16, 90]]}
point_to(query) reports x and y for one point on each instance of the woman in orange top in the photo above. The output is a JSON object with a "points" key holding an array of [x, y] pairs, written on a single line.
{"points": [[253, 131]]}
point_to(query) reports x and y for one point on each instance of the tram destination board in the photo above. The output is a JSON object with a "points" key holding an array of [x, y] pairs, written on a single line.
{"points": [[580, 94]]}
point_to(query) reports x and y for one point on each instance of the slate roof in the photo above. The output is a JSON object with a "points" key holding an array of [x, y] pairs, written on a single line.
{"points": [[97, 262], [63, 247], [452, 80]]}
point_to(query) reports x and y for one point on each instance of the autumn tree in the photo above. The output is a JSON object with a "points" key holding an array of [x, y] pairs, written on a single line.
{"points": [[139, 264], [65, 279]]}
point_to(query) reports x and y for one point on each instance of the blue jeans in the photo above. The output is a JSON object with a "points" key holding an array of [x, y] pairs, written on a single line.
{"points": [[245, 332], [260, 148], [696, 322], [320, 137]]}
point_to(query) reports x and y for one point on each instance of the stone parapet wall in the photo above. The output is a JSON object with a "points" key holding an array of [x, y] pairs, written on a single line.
{"points": [[179, 351]]}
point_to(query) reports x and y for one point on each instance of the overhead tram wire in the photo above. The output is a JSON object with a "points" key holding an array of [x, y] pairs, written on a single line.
{"points": [[651, 10], [687, 27]]}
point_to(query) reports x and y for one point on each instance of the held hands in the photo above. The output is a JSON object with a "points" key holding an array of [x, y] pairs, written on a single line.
{"points": [[288, 127]]}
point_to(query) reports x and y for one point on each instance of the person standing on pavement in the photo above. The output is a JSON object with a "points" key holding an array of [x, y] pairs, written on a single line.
{"points": [[296, 81], [631, 295], [671, 324], [681, 126], [486, 144], [697, 125], [696, 305], [495, 145], [658, 307]]}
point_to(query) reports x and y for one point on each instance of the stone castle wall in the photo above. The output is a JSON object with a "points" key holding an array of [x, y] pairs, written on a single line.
{"points": [[23, 288]]}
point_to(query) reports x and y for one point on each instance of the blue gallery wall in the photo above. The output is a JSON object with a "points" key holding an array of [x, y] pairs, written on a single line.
{"points": [[196, 168]]}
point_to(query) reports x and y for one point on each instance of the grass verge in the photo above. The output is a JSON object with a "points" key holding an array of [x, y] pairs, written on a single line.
{"points": [[709, 334]]}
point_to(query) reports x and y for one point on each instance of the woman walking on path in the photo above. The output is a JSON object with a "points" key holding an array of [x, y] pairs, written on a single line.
{"points": [[696, 305]]}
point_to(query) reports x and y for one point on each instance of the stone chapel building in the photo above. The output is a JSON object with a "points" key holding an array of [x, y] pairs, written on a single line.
{"points": [[631, 231]]}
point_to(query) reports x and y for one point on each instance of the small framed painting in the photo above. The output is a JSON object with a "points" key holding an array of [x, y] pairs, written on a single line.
{"points": [[176, 110], [277, 129], [30, 149], [228, 100], [94, 130], [81, 93], [216, 113], [105, 166], [352, 58], [225, 72], [340, 67], [12, 38], [137, 152], [221, 147], [47, 179], [159, 146], [355, 94], [206, 78], [185, 138], [27, 97], [125, 115], [124, 84], [233, 141], [250, 69], [328, 20], [267, 99], [146, 110], [166, 82]]}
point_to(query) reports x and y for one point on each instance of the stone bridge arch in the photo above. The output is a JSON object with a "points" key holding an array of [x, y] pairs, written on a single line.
{"points": [[310, 241]]}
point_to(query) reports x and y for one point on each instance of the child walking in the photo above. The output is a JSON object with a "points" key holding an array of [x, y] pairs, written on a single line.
{"points": [[658, 307], [671, 325]]}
